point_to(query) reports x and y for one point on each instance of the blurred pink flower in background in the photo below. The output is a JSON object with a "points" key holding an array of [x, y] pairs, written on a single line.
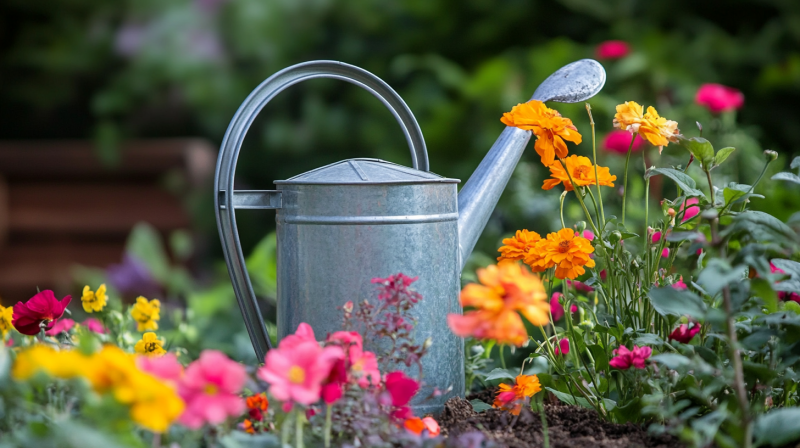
{"points": [[665, 252], [612, 49], [684, 334], [61, 325], [164, 367], [618, 141], [210, 388], [94, 325], [556, 309], [589, 235], [625, 358], [563, 347], [718, 98], [680, 284], [692, 209]]}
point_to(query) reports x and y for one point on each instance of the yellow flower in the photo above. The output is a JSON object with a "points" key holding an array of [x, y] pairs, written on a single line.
{"points": [[63, 364], [515, 248], [568, 252], [511, 396], [94, 301], [658, 130], [6, 316], [550, 127], [150, 345], [146, 313], [582, 172], [629, 115]]}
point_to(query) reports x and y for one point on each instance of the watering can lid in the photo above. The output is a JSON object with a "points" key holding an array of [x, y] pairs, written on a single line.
{"points": [[366, 171]]}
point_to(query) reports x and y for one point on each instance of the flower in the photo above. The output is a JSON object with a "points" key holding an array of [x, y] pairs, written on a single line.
{"points": [[40, 311], [656, 237], [625, 358], [94, 301], [516, 247], [296, 371], [658, 130], [580, 287], [588, 234], [504, 290], [612, 49], [146, 313], [304, 333], [718, 98], [166, 367], [257, 406], [680, 284], [363, 364], [400, 387], [783, 295], [416, 425], [61, 325], [550, 127], [333, 387], [692, 209], [210, 388], [150, 345], [665, 252], [132, 276], [563, 347], [568, 252], [94, 325], [6, 317], [619, 140], [63, 364], [629, 115], [582, 172], [683, 333], [556, 310], [511, 396]]}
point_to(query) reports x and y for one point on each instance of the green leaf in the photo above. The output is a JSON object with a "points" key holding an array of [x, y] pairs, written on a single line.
{"points": [[145, 244], [673, 361], [649, 339], [762, 288], [761, 227], [479, 406], [778, 427], [686, 183], [702, 150], [567, 398], [262, 265], [499, 374], [668, 300], [722, 155], [790, 177], [791, 268], [600, 357], [719, 274]]}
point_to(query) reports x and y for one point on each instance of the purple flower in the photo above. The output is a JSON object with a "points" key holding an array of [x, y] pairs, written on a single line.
{"points": [[132, 276]]}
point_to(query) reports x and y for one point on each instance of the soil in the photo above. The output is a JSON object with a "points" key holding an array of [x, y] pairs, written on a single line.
{"points": [[568, 427]]}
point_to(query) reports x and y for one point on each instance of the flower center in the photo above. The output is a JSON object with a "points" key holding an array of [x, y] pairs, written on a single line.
{"points": [[150, 347], [563, 246], [581, 172], [297, 375], [211, 389]]}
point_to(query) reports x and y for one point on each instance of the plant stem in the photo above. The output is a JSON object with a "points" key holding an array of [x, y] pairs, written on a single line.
{"points": [[298, 429], [625, 182], [545, 431], [563, 197], [602, 216], [328, 424], [646, 206], [580, 199], [738, 373], [285, 430], [753, 188], [502, 358], [710, 187]]}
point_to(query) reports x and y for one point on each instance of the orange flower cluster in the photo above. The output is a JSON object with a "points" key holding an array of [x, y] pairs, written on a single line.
{"points": [[582, 172], [550, 127], [257, 406], [656, 129], [511, 396], [565, 250], [506, 290]]}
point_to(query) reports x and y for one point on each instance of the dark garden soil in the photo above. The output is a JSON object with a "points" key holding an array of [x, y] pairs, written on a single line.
{"points": [[568, 427]]}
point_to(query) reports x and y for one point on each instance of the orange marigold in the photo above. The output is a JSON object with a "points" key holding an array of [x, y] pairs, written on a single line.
{"points": [[568, 252], [582, 172], [505, 290], [658, 130], [550, 127], [511, 396], [629, 115], [517, 247]]}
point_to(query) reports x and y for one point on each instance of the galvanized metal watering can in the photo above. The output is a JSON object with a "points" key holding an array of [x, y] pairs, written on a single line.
{"points": [[341, 225]]}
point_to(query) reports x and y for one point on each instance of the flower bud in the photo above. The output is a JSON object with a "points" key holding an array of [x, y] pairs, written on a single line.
{"points": [[770, 155], [614, 237], [586, 324], [427, 344], [348, 307], [581, 226], [671, 212], [699, 126]]}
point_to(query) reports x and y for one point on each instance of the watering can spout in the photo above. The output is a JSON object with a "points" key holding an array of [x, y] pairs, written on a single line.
{"points": [[572, 83]]}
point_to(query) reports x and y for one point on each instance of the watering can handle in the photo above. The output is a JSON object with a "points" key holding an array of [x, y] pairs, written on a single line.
{"points": [[226, 200]]}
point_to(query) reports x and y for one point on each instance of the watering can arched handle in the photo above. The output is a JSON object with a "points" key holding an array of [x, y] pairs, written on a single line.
{"points": [[224, 195]]}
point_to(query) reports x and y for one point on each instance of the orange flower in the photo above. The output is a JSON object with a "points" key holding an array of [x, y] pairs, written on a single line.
{"points": [[516, 247], [416, 425], [506, 290], [568, 252], [629, 115], [247, 425], [511, 396], [658, 130], [550, 127], [582, 172]]}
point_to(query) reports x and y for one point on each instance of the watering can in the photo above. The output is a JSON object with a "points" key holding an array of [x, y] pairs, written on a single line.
{"points": [[343, 224]]}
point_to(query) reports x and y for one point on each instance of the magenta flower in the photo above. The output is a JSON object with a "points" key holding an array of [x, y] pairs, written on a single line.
{"points": [[665, 252], [165, 367], [556, 310], [333, 387], [61, 325], [563, 347], [362, 364], [718, 98], [40, 311], [680, 284], [683, 333], [210, 388], [618, 141], [612, 49], [784, 295], [400, 388], [579, 286], [94, 325], [691, 211], [656, 237], [589, 235], [625, 358], [304, 333]]}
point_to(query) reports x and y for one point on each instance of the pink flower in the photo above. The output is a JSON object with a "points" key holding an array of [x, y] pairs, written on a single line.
{"points": [[61, 325], [656, 237], [612, 49], [589, 235], [775, 270], [680, 284], [164, 367], [363, 364], [563, 347], [333, 388], [618, 141], [691, 211], [401, 388], [304, 333], [556, 310], [684, 334], [718, 98], [665, 252], [580, 286], [94, 325], [40, 311], [210, 388], [625, 358], [603, 275]]}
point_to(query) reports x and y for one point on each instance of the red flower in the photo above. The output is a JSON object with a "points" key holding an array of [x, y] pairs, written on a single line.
{"points": [[40, 311], [625, 358], [718, 98], [683, 334], [332, 388], [579, 286], [618, 141], [401, 388], [612, 49]]}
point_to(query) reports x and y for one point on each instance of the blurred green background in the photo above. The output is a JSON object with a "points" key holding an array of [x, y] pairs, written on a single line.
{"points": [[112, 71]]}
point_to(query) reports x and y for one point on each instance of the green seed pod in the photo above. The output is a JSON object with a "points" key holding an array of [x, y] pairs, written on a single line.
{"points": [[614, 237]]}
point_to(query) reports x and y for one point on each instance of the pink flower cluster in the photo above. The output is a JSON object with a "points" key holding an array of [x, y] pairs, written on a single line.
{"points": [[625, 358], [62, 325]]}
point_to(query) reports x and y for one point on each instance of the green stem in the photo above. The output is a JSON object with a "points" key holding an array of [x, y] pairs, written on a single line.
{"points": [[646, 204], [488, 348], [580, 199], [710, 186], [594, 202], [753, 188], [502, 357], [563, 197], [602, 216], [545, 432], [298, 429], [625, 182], [285, 430], [328, 424]]}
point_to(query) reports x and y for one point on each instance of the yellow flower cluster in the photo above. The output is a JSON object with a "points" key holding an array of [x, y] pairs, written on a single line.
{"points": [[152, 403], [94, 301], [150, 345], [6, 316], [564, 250], [656, 129], [146, 313]]}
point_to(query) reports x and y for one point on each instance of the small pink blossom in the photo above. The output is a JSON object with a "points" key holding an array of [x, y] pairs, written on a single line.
{"points": [[618, 141], [692, 209], [665, 252], [684, 334], [625, 358], [656, 237], [40, 311], [94, 325], [61, 325], [210, 388], [304, 333], [612, 49], [361, 363], [556, 310], [680, 284], [718, 98], [603, 275], [401, 388], [589, 235], [333, 387], [563, 347], [165, 367], [580, 286]]}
